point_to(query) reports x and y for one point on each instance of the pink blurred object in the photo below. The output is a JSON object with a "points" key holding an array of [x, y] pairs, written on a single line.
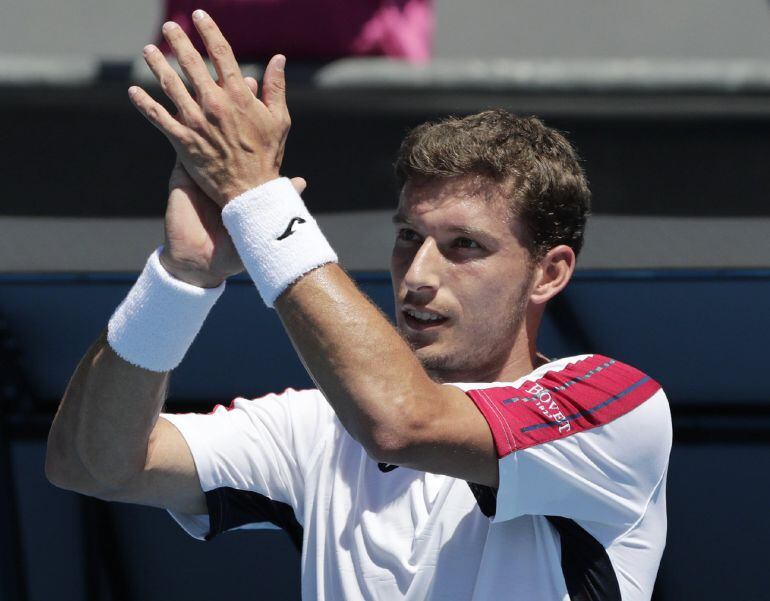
{"points": [[316, 29]]}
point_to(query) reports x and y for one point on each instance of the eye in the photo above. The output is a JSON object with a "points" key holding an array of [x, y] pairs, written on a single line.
{"points": [[466, 243], [407, 235]]}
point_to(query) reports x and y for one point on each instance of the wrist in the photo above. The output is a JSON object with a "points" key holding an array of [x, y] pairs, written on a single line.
{"points": [[232, 192], [159, 318], [189, 275], [276, 237]]}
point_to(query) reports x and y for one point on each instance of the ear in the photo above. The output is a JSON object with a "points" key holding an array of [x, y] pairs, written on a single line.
{"points": [[552, 274]]}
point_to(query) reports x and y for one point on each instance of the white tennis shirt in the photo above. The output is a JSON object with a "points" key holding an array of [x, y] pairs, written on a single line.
{"points": [[580, 513]]}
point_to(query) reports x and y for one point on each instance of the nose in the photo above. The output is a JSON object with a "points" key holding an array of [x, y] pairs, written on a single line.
{"points": [[423, 272]]}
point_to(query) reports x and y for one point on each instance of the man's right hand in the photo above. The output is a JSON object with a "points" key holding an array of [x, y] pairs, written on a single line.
{"points": [[198, 250]]}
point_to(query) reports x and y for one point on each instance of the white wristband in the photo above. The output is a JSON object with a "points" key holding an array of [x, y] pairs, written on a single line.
{"points": [[159, 318], [276, 237]]}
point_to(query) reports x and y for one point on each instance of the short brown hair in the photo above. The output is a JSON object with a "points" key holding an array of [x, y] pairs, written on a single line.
{"points": [[537, 166]]}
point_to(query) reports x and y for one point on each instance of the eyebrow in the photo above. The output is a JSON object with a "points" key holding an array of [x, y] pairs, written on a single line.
{"points": [[469, 231], [401, 218]]}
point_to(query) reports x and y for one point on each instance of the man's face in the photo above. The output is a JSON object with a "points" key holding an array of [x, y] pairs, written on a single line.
{"points": [[461, 276]]}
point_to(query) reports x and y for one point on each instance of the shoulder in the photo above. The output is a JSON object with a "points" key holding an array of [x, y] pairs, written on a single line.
{"points": [[298, 411], [585, 437], [566, 397], [303, 398]]}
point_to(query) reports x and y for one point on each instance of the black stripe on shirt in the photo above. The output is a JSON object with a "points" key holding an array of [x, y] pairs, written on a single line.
{"points": [[230, 508], [587, 569]]}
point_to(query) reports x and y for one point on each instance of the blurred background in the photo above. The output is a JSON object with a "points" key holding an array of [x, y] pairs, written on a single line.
{"points": [[668, 103]]}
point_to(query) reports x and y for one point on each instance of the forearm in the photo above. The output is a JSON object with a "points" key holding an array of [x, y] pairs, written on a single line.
{"points": [[370, 376], [99, 437]]}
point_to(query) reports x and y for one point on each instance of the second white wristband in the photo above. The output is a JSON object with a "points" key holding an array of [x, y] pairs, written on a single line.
{"points": [[276, 236], [159, 318]]}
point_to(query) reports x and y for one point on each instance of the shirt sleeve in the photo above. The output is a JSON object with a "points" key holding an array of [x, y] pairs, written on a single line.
{"points": [[586, 438], [252, 458]]}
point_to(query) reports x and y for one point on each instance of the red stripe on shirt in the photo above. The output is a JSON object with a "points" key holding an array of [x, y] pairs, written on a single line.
{"points": [[582, 396]]}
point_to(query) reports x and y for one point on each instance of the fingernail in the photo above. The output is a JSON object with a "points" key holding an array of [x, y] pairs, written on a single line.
{"points": [[132, 91], [149, 49], [169, 25], [280, 62], [199, 14]]}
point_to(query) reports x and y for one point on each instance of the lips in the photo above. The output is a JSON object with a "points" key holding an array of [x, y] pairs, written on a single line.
{"points": [[423, 318]]}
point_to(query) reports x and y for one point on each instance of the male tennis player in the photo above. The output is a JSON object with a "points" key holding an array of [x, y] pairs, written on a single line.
{"points": [[451, 461]]}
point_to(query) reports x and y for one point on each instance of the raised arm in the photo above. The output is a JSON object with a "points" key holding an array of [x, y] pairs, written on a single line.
{"points": [[107, 439]]}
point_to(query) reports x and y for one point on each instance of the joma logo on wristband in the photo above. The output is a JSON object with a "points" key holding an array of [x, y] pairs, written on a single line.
{"points": [[289, 231]]}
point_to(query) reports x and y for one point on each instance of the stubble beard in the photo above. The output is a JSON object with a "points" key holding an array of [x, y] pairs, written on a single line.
{"points": [[476, 363]]}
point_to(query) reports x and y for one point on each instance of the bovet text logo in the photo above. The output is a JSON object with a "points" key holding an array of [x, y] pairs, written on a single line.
{"points": [[548, 406]]}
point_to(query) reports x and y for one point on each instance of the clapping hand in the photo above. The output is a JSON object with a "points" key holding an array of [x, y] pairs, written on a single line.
{"points": [[227, 139], [198, 248]]}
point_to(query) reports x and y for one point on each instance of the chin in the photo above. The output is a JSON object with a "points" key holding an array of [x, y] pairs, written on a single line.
{"points": [[439, 365]]}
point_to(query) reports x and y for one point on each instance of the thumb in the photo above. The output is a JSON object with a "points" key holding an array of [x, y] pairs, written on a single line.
{"points": [[299, 184], [252, 84], [274, 85], [179, 177]]}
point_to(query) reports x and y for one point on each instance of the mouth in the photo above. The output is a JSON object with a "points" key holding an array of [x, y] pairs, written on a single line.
{"points": [[422, 320]]}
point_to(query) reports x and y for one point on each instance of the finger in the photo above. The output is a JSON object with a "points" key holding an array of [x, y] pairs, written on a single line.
{"points": [[274, 86], [219, 50], [188, 57], [169, 80], [299, 184], [252, 84], [156, 114]]}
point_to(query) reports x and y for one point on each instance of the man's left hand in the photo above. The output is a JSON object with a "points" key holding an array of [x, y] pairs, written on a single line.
{"points": [[228, 140]]}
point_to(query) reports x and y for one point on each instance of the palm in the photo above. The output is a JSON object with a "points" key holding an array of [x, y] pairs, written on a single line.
{"points": [[198, 248], [195, 234]]}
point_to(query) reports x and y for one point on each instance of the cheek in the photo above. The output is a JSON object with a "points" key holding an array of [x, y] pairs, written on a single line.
{"points": [[473, 286], [486, 295]]}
